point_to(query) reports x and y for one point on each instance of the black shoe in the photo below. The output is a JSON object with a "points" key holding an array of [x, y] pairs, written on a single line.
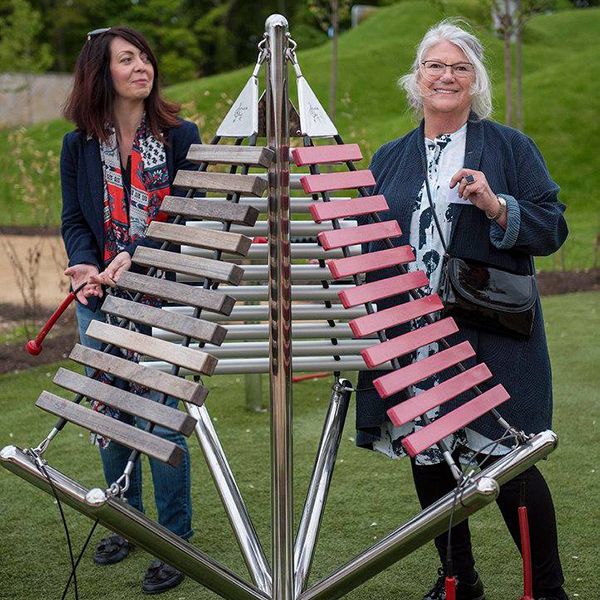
{"points": [[111, 550], [161, 577], [558, 595], [464, 591]]}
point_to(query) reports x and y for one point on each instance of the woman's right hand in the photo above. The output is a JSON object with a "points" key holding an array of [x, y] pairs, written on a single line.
{"points": [[80, 274]]}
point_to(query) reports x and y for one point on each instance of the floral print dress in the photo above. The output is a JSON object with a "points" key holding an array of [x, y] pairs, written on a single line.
{"points": [[445, 156]]}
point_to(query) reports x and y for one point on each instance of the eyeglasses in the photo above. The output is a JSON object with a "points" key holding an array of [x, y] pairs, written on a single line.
{"points": [[95, 32], [436, 68]]}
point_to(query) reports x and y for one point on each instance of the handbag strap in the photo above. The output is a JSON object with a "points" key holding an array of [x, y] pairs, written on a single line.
{"points": [[432, 206]]}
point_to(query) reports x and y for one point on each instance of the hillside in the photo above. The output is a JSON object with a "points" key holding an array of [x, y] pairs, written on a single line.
{"points": [[561, 109]]}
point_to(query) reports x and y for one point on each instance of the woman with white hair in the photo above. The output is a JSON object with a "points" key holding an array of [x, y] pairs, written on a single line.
{"points": [[461, 185]]}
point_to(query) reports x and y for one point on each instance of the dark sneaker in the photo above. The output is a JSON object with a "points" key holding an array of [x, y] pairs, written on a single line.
{"points": [[161, 577], [111, 550], [557, 595], [464, 591]]}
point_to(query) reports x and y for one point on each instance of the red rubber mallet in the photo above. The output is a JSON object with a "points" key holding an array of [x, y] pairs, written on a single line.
{"points": [[34, 347], [526, 554], [525, 548], [319, 375], [450, 588]]}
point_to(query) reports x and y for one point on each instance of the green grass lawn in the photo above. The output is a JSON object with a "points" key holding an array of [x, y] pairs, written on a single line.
{"points": [[560, 51], [370, 495]]}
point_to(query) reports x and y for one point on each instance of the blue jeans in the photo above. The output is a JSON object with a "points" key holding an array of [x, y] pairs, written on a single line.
{"points": [[172, 485]]}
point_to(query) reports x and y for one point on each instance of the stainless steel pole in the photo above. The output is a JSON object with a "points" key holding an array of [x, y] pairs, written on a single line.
{"points": [[280, 310], [308, 531], [234, 505]]}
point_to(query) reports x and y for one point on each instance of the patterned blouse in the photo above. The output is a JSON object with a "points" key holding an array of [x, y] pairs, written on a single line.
{"points": [[445, 156]]}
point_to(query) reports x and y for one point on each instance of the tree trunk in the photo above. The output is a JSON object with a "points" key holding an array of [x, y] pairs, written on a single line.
{"points": [[334, 58], [519, 120], [506, 29]]}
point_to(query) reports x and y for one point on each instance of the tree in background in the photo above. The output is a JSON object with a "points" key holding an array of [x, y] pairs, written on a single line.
{"points": [[510, 19], [20, 50], [328, 14]]}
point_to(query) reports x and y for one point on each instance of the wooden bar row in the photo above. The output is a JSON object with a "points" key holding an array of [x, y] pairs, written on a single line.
{"points": [[125, 401], [178, 387], [254, 156], [122, 433], [250, 185], [188, 358], [225, 241], [210, 208]]}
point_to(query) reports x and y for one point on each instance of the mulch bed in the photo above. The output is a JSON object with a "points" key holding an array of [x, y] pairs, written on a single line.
{"points": [[64, 335], [55, 347], [29, 230]]}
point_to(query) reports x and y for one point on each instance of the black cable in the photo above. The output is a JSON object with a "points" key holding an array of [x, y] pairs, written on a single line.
{"points": [[42, 468], [83, 549], [461, 484]]}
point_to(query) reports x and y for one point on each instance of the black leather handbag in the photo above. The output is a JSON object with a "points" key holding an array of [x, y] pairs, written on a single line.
{"points": [[488, 298], [485, 296]]}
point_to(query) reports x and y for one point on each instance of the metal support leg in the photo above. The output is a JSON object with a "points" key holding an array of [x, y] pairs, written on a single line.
{"points": [[231, 497], [280, 310], [482, 489], [121, 518], [316, 498]]}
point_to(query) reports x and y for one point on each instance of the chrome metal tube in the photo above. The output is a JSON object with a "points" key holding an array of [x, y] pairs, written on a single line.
{"points": [[119, 517], [280, 307], [297, 228], [304, 364], [433, 520], [301, 312], [260, 252], [297, 204], [231, 497], [308, 531]]}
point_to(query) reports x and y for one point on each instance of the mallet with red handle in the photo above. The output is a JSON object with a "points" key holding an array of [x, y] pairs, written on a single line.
{"points": [[34, 347]]}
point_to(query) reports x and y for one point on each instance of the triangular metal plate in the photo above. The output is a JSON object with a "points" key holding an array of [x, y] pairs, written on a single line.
{"points": [[314, 121], [242, 119]]}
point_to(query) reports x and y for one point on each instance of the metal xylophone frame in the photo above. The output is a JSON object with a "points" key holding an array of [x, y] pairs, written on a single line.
{"points": [[291, 559]]}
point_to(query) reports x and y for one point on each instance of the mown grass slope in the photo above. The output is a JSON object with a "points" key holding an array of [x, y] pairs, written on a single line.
{"points": [[560, 97]]}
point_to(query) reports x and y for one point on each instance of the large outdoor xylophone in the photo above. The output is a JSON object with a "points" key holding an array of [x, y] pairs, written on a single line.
{"points": [[296, 303]]}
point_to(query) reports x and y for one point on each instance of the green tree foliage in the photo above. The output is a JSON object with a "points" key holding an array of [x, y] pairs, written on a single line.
{"points": [[20, 50], [191, 38]]}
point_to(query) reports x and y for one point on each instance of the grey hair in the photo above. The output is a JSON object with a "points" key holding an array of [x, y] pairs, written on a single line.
{"points": [[447, 30]]}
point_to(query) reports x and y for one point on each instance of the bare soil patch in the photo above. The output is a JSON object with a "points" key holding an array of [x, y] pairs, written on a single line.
{"points": [[50, 284]]}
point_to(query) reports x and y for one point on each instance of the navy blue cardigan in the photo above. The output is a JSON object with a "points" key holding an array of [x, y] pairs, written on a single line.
{"points": [[514, 168], [83, 192]]}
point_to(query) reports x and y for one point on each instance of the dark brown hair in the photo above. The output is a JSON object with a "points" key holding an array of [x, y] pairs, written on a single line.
{"points": [[90, 103]]}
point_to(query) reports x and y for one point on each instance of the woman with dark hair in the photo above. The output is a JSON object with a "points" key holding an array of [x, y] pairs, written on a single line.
{"points": [[116, 167], [483, 191]]}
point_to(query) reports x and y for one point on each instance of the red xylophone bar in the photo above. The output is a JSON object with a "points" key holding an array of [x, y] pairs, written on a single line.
{"points": [[436, 396], [444, 426], [384, 288], [398, 380], [340, 209], [322, 155], [374, 261], [396, 315], [344, 180], [338, 238], [408, 342]]}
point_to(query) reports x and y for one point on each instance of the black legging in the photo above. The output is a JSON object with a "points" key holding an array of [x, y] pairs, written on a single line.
{"points": [[434, 481]]}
